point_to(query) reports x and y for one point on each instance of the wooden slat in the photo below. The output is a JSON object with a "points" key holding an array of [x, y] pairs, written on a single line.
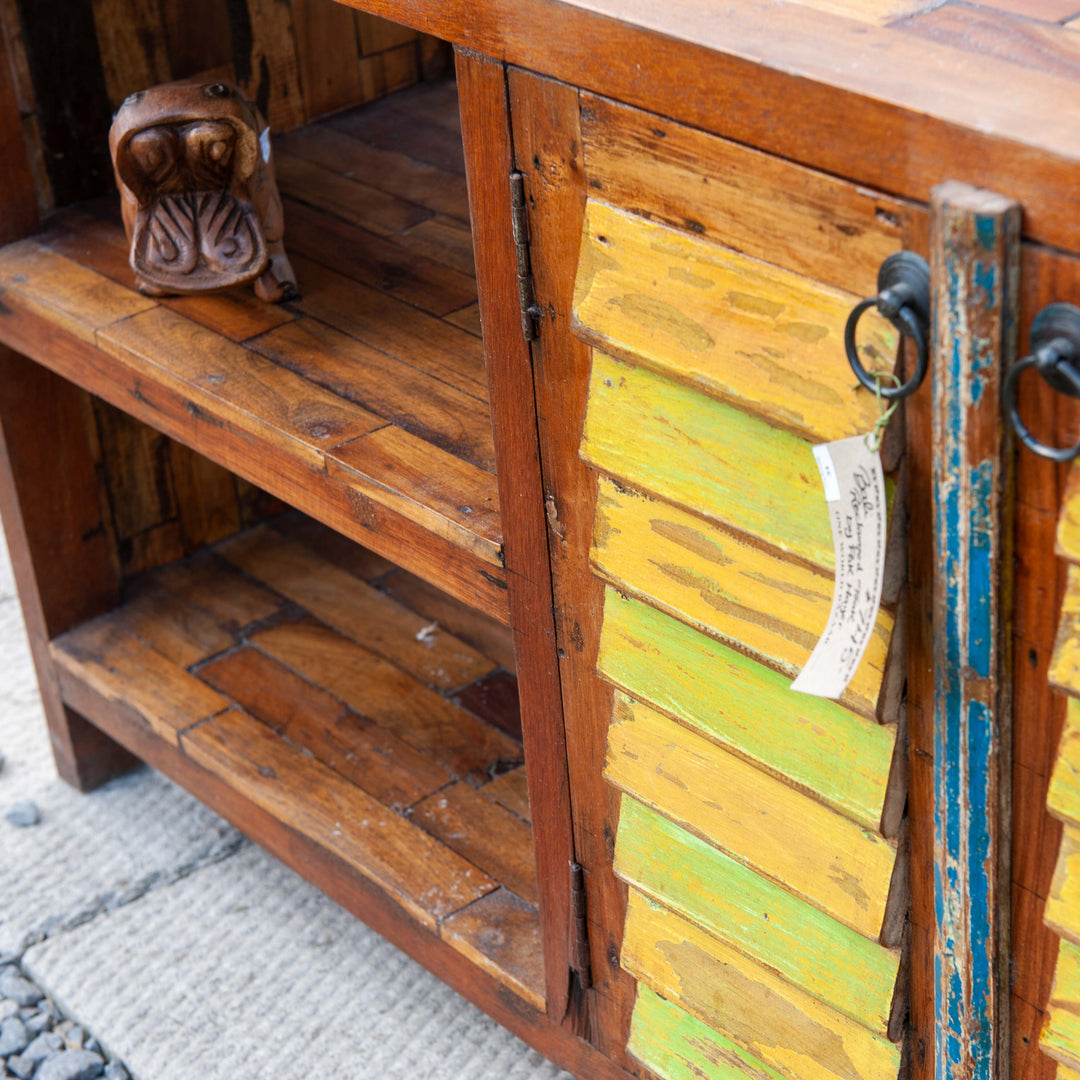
{"points": [[771, 608], [764, 206], [449, 736], [839, 758], [366, 754], [1063, 903], [674, 1045], [355, 609], [121, 668], [771, 1019], [733, 327], [429, 880], [822, 957], [1065, 663], [328, 56], [1061, 1036], [62, 291], [511, 790], [332, 546], [501, 934], [1066, 991], [269, 72], [468, 318], [443, 239], [494, 698], [803, 846], [698, 452], [484, 833], [1063, 798], [1068, 521]]}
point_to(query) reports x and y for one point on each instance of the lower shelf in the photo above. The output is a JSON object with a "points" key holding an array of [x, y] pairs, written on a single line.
{"points": [[285, 666]]}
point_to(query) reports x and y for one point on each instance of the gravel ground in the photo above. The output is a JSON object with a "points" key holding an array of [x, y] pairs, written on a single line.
{"points": [[142, 936]]}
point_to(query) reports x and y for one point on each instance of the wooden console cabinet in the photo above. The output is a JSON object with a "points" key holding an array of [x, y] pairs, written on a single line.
{"points": [[471, 583]]}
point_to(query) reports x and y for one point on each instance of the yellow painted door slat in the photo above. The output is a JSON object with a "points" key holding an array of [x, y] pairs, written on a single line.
{"points": [[1065, 662], [1063, 903], [1063, 798], [770, 607], [738, 329], [1060, 1036], [692, 450], [821, 956], [839, 758], [803, 846], [1068, 527], [674, 1045], [771, 1019]]}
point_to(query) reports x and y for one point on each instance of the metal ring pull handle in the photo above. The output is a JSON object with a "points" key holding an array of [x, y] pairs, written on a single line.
{"points": [[904, 299], [1055, 354]]}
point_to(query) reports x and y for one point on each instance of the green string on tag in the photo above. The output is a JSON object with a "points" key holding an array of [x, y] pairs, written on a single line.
{"points": [[877, 433]]}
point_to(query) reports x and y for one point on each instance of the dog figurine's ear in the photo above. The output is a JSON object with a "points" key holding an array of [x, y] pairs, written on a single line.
{"points": [[198, 194]]}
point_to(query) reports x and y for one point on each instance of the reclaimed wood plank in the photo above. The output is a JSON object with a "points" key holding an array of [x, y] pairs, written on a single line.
{"points": [[81, 301], [355, 609], [697, 452], [770, 608], [206, 502], [762, 205], [426, 878], [740, 330], [425, 185], [366, 754], [1067, 540], [418, 402], [1063, 797], [480, 830], [1060, 1036], [121, 668], [331, 545], [328, 56], [480, 631], [1063, 903], [511, 790], [1066, 989], [449, 736], [815, 744], [443, 239], [468, 318], [814, 952], [767, 1016], [501, 934], [1064, 670], [168, 623], [674, 1045], [808, 849], [131, 39], [493, 698]]}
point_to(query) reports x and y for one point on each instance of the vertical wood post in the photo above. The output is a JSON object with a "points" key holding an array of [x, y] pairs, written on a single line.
{"points": [[974, 250]]}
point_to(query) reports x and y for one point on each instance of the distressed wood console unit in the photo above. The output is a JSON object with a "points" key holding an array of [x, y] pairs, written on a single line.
{"points": [[471, 583]]}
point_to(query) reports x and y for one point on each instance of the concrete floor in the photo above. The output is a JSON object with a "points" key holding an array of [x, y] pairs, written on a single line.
{"points": [[193, 955]]}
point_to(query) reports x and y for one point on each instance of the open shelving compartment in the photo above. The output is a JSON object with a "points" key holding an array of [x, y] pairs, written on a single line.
{"points": [[330, 664]]}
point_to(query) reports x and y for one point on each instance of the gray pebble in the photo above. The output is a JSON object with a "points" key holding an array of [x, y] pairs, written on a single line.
{"points": [[22, 1067], [43, 1046], [14, 1038], [115, 1071], [8, 1007], [71, 1065], [23, 814], [39, 1022], [13, 985]]}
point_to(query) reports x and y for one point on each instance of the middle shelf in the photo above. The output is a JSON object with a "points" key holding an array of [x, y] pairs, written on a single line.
{"points": [[364, 402], [349, 701]]}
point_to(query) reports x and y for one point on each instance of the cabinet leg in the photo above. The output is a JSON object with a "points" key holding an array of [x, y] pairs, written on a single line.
{"points": [[59, 544]]}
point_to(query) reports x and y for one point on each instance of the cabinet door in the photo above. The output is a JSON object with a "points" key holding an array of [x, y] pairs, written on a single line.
{"points": [[758, 900]]}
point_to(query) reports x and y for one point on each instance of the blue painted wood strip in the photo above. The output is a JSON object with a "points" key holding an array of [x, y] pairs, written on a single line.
{"points": [[975, 265]]}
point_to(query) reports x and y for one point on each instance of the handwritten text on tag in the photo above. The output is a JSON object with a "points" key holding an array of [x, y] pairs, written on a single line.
{"points": [[855, 493]]}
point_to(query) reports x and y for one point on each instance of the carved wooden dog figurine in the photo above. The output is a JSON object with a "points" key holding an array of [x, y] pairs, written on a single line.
{"points": [[199, 198]]}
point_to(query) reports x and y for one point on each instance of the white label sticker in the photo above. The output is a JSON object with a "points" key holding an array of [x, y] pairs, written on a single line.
{"points": [[855, 493]]}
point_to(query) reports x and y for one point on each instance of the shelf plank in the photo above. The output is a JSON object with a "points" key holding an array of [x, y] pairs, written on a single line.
{"points": [[501, 934], [180, 631], [485, 833], [366, 754], [512, 791], [354, 608], [428, 879], [448, 735], [120, 667]]}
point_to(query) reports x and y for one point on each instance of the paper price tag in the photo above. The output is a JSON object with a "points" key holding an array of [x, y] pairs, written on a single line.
{"points": [[855, 492]]}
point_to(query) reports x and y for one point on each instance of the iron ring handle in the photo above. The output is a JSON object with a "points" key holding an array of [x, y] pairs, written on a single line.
{"points": [[1046, 359], [895, 308]]}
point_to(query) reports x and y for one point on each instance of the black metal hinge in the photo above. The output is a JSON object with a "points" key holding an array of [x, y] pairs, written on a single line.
{"points": [[579, 947], [530, 311]]}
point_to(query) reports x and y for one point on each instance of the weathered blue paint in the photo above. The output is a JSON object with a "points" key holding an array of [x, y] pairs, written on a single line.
{"points": [[973, 266]]}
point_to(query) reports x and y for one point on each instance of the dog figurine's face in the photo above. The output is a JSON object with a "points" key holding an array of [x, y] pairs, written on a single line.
{"points": [[201, 207]]}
